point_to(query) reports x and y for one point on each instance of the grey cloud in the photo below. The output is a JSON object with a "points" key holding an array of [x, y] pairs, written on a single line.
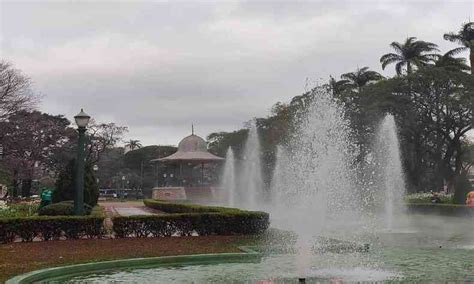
{"points": [[157, 67]]}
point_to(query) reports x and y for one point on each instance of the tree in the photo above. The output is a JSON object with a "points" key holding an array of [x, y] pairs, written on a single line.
{"points": [[140, 171], [65, 185], [361, 77], [15, 91], [411, 53], [30, 141], [337, 86], [451, 63], [434, 109], [464, 37], [133, 144], [102, 136]]}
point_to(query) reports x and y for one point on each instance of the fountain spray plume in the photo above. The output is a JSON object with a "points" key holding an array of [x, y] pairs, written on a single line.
{"points": [[279, 181], [319, 180], [250, 174], [228, 178], [387, 151]]}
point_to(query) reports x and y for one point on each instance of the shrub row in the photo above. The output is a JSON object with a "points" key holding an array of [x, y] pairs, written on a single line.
{"points": [[46, 228], [176, 207], [195, 219], [441, 209]]}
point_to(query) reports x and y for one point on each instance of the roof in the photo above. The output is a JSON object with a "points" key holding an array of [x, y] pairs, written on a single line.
{"points": [[192, 148]]}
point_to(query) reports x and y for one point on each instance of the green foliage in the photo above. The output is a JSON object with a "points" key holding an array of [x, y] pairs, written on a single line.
{"points": [[63, 208], [137, 163], [66, 208], [441, 209], [425, 198], [18, 210], [186, 219], [65, 185], [412, 53], [46, 228]]}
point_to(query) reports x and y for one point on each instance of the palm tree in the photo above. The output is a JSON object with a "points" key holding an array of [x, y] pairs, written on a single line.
{"points": [[361, 77], [412, 53], [465, 37], [451, 63], [338, 86], [133, 144]]}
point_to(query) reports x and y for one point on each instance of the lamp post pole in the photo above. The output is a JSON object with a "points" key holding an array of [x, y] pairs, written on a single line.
{"points": [[82, 119], [79, 180]]}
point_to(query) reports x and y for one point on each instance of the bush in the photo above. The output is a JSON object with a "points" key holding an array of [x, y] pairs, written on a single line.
{"points": [[441, 209], [425, 197], [189, 219], [64, 208], [18, 209], [51, 228], [65, 185]]}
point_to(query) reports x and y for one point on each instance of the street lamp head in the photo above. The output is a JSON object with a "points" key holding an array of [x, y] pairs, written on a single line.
{"points": [[82, 119]]}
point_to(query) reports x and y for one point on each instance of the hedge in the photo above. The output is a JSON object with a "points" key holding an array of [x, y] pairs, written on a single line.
{"points": [[46, 228], [441, 209], [189, 219]]}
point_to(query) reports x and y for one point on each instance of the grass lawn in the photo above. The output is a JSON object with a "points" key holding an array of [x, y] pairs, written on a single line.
{"points": [[18, 258]]}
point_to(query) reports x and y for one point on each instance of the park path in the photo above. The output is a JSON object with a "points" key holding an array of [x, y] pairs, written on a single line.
{"points": [[127, 208]]}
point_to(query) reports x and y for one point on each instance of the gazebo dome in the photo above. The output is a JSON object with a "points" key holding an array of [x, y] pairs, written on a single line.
{"points": [[191, 149], [192, 143]]}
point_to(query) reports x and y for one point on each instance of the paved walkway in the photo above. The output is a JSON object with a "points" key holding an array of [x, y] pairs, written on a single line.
{"points": [[127, 208]]}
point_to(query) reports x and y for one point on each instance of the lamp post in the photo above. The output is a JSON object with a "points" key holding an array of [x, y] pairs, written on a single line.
{"points": [[82, 119]]}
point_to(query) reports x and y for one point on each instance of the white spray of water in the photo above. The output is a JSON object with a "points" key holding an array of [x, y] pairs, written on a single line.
{"points": [[317, 178], [392, 181], [250, 173], [279, 181], [228, 179]]}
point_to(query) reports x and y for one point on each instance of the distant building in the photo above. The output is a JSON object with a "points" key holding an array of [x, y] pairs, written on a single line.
{"points": [[187, 177]]}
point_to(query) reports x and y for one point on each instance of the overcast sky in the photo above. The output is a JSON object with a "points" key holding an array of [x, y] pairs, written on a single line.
{"points": [[157, 67]]}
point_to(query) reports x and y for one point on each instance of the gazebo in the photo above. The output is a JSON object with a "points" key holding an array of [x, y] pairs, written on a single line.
{"points": [[186, 178]]}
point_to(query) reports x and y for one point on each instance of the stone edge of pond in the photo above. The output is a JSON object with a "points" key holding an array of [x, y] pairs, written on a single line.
{"points": [[248, 254]]}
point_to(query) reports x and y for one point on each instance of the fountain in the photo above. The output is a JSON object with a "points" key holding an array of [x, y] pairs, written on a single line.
{"points": [[319, 169], [390, 170], [228, 178], [317, 195], [250, 172], [279, 179]]}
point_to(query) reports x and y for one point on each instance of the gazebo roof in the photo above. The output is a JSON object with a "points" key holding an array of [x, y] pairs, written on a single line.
{"points": [[191, 149]]}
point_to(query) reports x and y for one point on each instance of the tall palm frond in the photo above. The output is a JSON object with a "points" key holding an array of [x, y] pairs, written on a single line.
{"points": [[133, 144], [465, 38], [411, 53], [361, 77], [450, 62]]}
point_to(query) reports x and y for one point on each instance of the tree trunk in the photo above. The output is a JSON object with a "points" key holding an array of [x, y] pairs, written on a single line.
{"points": [[26, 188], [15, 183]]}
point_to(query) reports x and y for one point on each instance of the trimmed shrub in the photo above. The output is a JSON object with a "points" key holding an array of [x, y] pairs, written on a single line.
{"points": [[189, 219], [65, 185], [51, 228], [64, 208]]}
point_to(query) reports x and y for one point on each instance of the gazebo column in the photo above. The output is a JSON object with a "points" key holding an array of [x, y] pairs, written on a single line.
{"points": [[202, 173], [181, 174]]}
